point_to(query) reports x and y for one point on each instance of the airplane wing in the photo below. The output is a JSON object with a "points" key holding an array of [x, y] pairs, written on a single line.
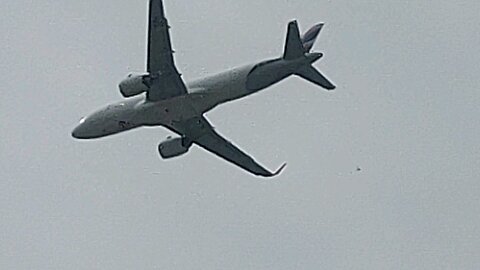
{"points": [[201, 132], [166, 81]]}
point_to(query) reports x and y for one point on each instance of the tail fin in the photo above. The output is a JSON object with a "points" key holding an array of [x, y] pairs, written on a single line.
{"points": [[293, 45], [312, 75], [309, 37], [296, 47]]}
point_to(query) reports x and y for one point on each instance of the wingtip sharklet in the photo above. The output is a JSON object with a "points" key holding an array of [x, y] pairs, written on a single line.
{"points": [[280, 169], [277, 172]]}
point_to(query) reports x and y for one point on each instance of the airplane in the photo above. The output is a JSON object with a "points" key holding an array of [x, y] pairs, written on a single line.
{"points": [[160, 97]]}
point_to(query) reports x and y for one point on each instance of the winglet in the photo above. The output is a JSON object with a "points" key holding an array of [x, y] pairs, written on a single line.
{"points": [[279, 170], [268, 174]]}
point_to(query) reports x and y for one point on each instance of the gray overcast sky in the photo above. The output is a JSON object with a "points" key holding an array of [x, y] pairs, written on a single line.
{"points": [[406, 111]]}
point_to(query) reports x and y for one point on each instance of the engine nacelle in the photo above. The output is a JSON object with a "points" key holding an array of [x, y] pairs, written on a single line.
{"points": [[134, 84], [173, 147]]}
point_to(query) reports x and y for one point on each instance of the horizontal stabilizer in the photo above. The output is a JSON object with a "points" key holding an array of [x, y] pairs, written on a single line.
{"points": [[312, 75], [293, 44]]}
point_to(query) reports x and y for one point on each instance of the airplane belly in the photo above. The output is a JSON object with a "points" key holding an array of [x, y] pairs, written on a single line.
{"points": [[205, 94], [166, 112]]}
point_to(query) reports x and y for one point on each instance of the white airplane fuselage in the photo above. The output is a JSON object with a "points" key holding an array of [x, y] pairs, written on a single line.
{"points": [[203, 95], [160, 97]]}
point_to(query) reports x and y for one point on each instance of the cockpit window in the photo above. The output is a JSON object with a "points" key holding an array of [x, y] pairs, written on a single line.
{"points": [[83, 120]]}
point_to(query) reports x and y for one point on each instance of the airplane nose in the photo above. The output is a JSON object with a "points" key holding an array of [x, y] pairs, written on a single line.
{"points": [[75, 133], [79, 132]]}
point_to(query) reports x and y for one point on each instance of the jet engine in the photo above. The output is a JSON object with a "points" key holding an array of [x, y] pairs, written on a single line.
{"points": [[173, 147], [134, 84]]}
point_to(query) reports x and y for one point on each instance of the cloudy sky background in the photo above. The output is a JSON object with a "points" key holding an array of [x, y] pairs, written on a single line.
{"points": [[406, 111]]}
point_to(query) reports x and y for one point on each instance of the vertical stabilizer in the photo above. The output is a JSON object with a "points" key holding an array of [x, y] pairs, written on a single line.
{"points": [[293, 44], [297, 46], [309, 37]]}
